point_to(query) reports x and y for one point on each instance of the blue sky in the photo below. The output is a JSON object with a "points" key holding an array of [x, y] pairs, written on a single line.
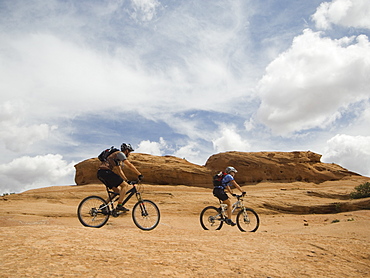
{"points": [[184, 78]]}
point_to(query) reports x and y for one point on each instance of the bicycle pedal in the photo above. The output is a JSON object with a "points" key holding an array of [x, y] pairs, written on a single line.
{"points": [[116, 213]]}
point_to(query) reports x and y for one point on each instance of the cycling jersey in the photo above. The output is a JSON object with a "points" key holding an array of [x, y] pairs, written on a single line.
{"points": [[225, 182]]}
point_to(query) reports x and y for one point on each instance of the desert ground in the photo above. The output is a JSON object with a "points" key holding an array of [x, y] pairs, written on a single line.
{"points": [[41, 235]]}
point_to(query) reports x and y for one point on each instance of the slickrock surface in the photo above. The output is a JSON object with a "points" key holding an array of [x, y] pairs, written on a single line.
{"points": [[307, 230]]}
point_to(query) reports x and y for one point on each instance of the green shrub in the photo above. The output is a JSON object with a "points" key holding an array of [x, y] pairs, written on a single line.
{"points": [[361, 191]]}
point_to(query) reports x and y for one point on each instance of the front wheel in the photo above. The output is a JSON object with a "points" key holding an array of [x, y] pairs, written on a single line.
{"points": [[93, 212], [247, 220], [211, 218], [146, 215]]}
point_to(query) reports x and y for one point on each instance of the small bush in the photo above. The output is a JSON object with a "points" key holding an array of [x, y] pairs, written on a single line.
{"points": [[361, 191]]}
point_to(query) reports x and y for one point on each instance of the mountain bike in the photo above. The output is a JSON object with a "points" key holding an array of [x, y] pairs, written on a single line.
{"points": [[212, 218], [94, 211]]}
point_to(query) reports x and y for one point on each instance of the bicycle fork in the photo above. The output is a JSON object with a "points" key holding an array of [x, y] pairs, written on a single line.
{"points": [[245, 217], [144, 212], [235, 206]]}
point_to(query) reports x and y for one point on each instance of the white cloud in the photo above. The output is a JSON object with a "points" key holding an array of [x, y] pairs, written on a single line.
{"points": [[230, 140], [154, 148], [351, 152], [249, 124], [308, 85], [190, 153], [348, 13], [26, 172], [364, 120], [15, 133], [144, 10], [78, 80]]}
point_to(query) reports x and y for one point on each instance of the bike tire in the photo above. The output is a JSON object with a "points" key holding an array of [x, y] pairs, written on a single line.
{"points": [[146, 215], [90, 214], [247, 220], [211, 218]]}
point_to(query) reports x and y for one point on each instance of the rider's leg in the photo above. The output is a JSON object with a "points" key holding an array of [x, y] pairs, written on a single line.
{"points": [[122, 194], [229, 212], [229, 208], [115, 190]]}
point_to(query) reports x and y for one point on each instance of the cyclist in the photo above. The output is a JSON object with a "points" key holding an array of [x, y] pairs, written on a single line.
{"points": [[219, 191], [117, 160]]}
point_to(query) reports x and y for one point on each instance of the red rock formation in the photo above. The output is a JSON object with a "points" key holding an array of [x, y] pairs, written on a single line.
{"points": [[156, 170], [252, 168], [278, 166]]}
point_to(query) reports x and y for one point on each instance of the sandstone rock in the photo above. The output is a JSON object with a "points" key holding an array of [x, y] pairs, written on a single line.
{"points": [[86, 171], [278, 166], [156, 170], [252, 168]]}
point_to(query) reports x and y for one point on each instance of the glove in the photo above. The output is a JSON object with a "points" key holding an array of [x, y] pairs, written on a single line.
{"points": [[244, 193], [140, 177]]}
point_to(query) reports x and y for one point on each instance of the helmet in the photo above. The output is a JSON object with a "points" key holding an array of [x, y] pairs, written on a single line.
{"points": [[230, 169], [128, 147]]}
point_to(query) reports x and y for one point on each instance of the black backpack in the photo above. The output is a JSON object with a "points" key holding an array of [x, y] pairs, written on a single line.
{"points": [[104, 154], [217, 179]]}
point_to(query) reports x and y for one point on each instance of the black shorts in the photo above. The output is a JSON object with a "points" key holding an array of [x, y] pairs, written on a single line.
{"points": [[109, 178], [220, 194]]}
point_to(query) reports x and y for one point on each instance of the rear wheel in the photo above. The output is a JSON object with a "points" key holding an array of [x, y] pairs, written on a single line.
{"points": [[93, 212], [247, 220], [211, 218], [146, 215]]}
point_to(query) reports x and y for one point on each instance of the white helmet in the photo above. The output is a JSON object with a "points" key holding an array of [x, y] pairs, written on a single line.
{"points": [[230, 169]]}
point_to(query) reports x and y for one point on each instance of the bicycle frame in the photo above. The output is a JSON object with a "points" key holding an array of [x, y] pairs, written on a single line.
{"points": [[235, 206], [113, 196]]}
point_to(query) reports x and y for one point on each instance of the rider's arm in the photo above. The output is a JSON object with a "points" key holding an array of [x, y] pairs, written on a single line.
{"points": [[122, 174], [229, 189], [233, 182], [132, 167]]}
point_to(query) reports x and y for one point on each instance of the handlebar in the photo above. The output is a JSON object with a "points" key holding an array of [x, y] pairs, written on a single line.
{"points": [[240, 196], [139, 179], [133, 183]]}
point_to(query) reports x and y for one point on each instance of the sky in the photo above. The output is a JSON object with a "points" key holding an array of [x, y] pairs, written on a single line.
{"points": [[188, 78]]}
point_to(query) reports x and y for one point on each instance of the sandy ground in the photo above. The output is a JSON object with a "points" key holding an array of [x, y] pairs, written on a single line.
{"points": [[42, 237]]}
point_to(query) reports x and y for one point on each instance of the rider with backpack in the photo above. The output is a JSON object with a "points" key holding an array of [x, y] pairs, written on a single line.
{"points": [[222, 181], [116, 159]]}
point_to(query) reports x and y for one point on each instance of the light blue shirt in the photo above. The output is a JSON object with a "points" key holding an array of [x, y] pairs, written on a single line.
{"points": [[226, 180]]}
